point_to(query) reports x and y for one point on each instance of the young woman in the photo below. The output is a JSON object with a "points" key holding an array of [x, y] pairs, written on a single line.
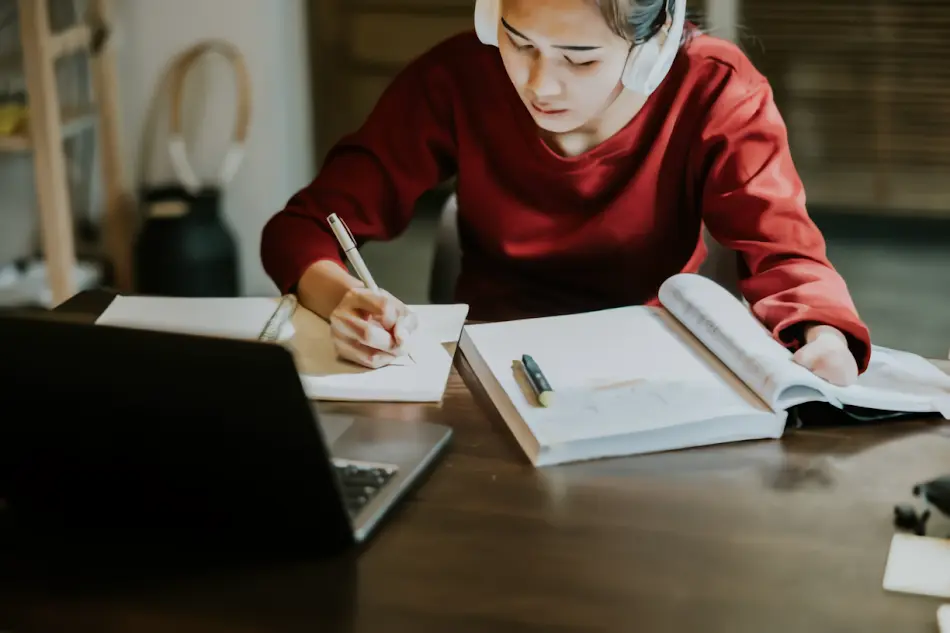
{"points": [[591, 140]]}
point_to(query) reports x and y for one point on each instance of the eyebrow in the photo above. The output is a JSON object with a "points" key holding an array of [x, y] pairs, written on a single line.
{"points": [[562, 47]]}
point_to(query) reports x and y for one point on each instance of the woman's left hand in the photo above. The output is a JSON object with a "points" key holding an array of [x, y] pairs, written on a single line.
{"points": [[827, 355]]}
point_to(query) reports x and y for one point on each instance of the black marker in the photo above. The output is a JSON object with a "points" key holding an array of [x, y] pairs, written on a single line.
{"points": [[539, 384]]}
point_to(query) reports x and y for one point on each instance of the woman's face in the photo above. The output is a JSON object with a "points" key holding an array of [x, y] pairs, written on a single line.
{"points": [[562, 58]]}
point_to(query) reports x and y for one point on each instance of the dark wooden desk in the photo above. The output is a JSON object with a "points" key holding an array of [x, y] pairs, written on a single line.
{"points": [[765, 537]]}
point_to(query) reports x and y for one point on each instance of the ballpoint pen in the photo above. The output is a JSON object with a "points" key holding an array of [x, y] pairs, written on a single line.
{"points": [[348, 244]]}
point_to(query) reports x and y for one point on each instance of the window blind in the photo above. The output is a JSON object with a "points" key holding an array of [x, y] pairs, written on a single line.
{"points": [[864, 87]]}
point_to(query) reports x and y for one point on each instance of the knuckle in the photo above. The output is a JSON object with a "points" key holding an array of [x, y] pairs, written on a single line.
{"points": [[363, 332]]}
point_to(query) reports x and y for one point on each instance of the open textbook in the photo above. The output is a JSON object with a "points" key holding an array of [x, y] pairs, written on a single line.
{"points": [[419, 377], [698, 370]]}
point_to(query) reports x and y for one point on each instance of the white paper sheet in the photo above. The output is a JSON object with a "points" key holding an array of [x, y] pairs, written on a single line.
{"points": [[327, 377], [918, 565], [229, 317]]}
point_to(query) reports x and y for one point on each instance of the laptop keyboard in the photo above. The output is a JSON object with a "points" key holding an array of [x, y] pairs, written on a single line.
{"points": [[361, 482]]}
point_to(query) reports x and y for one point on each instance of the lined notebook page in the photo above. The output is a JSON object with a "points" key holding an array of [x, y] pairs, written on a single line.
{"points": [[228, 317]]}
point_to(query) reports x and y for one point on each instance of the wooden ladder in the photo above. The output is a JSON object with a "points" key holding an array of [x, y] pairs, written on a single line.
{"points": [[50, 124]]}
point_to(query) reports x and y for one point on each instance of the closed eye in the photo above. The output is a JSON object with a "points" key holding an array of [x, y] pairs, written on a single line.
{"points": [[520, 47], [586, 64]]}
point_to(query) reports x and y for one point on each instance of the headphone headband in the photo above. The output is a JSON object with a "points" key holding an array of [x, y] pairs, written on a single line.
{"points": [[648, 63], [176, 143]]}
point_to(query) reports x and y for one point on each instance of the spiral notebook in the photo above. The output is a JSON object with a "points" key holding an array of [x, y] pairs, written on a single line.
{"points": [[281, 320], [245, 318]]}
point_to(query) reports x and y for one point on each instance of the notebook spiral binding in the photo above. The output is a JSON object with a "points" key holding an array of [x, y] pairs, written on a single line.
{"points": [[283, 313]]}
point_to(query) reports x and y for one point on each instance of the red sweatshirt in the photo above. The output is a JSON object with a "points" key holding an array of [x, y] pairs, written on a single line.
{"points": [[545, 234]]}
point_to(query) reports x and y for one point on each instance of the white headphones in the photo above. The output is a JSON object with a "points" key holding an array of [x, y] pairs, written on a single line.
{"points": [[176, 142], [647, 64]]}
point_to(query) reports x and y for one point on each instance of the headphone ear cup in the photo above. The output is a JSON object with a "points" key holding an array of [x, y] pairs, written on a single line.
{"points": [[646, 68], [487, 15], [640, 64]]}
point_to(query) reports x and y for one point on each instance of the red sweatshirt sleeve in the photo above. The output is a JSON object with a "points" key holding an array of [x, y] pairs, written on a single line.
{"points": [[372, 177], [753, 202]]}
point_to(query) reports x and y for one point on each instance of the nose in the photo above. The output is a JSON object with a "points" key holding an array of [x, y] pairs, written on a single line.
{"points": [[542, 81]]}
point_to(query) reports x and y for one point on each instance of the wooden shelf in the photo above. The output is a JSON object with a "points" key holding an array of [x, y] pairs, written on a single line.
{"points": [[75, 39], [74, 122], [50, 123]]}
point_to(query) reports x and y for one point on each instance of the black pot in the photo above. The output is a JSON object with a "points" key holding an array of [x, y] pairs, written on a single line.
{"points": [[184, 248]]}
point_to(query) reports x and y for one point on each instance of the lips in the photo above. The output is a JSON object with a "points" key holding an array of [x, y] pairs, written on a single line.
{"points": [[546, 110]]}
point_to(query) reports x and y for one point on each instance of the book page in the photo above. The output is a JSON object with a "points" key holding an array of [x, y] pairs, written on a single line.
{"points": [[893, 381], [229, 317], [899, 381], [737, 338], [613, 372]]}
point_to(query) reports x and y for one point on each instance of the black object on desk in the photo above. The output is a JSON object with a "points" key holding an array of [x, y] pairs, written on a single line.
{"points": [[539, 384], [936, 495], [822, 414], [188, 253], [191, 446]]}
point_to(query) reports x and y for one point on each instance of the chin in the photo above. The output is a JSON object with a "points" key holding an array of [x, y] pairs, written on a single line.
{"points": [[557, 127], [556, 124]]}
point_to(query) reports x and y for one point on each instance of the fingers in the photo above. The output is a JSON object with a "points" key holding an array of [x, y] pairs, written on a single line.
{"points": [[405, 326], [365, 332], [371, 328], [382, 306], [808, 355], [831, 361], [387, 311], [360, 354]]}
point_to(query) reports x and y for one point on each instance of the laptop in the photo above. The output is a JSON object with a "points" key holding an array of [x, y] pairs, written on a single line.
{"points": [[125, 435]]}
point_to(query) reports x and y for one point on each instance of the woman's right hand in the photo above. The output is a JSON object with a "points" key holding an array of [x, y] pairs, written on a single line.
{"points": [[371, 328]]}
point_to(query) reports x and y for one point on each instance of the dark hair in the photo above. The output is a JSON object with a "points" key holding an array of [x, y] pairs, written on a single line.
{"points": [[636, 20]]}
